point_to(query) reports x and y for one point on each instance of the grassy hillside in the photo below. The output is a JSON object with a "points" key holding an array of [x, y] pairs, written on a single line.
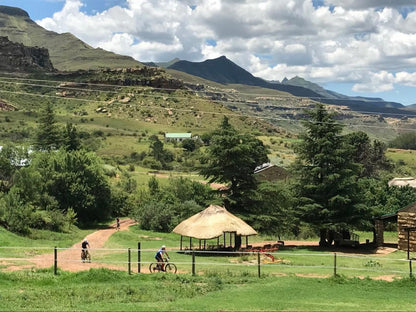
{"points": [[286, 111], [66, 51], [121, 118]]}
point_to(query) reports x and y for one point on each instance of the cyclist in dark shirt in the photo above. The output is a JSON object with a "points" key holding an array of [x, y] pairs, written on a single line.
{"points": [[159, 257], [84, 252]]}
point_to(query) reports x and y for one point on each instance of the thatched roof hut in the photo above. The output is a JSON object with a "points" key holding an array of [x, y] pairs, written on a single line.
{"points": [[410, 181], [214, 222]]}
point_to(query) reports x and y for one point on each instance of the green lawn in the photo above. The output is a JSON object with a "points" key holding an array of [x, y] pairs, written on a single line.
{"points": [[105, 290], [300, 279]]}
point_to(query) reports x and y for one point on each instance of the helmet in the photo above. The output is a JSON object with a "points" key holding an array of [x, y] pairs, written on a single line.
{"points": [[163, 246]]}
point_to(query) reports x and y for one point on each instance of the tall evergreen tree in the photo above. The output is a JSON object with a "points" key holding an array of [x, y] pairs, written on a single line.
{"points": [[327, 177], [71, 138], [232, 158], [370, 156], [48, 136]]}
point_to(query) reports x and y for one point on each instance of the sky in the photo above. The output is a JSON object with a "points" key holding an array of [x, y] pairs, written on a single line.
{"points": [[355, 47]]}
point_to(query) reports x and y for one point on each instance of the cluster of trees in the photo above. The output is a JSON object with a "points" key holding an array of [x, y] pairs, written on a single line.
{"points": [[55, 185], [405, 141], [162, 207], [338, 182]]}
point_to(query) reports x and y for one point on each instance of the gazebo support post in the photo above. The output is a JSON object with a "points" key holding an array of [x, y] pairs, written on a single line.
{"points": [[246, 241], [181, 242], [199, 244], [224, 239], [205, 243], [218, 242], [231, 239], [190, 242]]}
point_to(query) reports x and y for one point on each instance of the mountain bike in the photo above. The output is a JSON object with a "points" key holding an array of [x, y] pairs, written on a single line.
{"points": [[169, 267], [85, 256]]}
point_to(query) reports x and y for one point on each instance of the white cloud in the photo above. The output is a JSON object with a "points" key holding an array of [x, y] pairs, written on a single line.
{"points": [[360, 41], [408, 79], [376, 82], [364, 4]]}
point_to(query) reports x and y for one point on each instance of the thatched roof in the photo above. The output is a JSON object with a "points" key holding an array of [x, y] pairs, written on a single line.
{"points": [[211, 223], [403, 182]]}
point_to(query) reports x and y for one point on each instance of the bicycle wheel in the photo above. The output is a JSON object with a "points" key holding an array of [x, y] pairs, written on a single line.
{"points": [[153, 267], [170, 268]]}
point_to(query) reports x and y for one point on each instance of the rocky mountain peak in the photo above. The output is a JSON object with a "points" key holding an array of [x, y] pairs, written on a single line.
{"points": [[12, 11]]}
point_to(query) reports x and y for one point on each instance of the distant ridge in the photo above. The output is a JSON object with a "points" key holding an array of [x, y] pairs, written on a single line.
{"points": [[162, 64], [222, 70], [65, 50]]}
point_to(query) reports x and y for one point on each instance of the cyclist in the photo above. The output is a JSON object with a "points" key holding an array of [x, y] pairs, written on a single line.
{"points": [[159, 257], [84, 252]]}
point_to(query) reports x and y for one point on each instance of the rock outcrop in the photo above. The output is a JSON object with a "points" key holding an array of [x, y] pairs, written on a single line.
{"points": [[18, 57]]}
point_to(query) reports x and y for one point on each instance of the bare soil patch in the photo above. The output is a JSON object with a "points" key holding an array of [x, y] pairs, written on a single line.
{"points": [[69, 259]]}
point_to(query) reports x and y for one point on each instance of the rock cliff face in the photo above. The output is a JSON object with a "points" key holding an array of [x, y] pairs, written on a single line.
{"points": [[17, 57]]}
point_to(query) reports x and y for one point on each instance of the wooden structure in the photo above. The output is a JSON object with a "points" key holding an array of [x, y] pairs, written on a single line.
{"points": [[271, 173], [406, 223], [405, 217], [214, 223], [379, 225]]}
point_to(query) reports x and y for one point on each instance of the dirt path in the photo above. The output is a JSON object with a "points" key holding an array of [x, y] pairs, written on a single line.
{"points": [[69, 258]]}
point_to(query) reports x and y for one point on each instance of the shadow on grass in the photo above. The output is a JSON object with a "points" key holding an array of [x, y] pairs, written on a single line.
{"points": [[364, 249]]}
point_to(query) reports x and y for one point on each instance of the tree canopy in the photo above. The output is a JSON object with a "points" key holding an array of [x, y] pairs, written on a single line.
{"points": [[326, 185], [231, 159], [48, 135]]}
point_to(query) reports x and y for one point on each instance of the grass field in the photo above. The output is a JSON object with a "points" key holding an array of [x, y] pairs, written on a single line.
{"points": [[302, 279], [105, 290]]}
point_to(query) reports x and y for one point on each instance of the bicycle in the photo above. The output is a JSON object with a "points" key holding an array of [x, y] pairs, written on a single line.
{"points": [[85, 256], [169, 267]]}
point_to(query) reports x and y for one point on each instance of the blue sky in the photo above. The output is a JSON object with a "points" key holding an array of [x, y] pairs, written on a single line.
{"points": [[355, 47]]}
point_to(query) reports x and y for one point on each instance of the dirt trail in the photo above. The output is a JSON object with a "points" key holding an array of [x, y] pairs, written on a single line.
{"points": [[69, 258]]}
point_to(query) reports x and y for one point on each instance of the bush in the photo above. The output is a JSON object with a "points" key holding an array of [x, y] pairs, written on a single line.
{"points": [[404, 141], [156, 216], [152, 163], [16, 215]]}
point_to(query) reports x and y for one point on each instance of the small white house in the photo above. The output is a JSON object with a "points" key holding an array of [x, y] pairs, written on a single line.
{"points": [[178, 137]]}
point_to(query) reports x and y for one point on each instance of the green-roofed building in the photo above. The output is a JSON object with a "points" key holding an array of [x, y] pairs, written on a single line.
{"points": [[178, 137]]}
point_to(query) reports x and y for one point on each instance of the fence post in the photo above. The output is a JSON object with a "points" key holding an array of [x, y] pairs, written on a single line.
{"points": [[129, 261], [55, 262], [410, 268], [258, 263], [193, 262], [335, 264], [138, 257]]}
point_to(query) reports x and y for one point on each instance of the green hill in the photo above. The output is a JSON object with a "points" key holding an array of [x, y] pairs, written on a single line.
{"points": [[65, 50]]}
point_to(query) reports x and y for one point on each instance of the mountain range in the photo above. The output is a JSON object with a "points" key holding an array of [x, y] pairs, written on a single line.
{"points": [[224, 71], [68, 53]]}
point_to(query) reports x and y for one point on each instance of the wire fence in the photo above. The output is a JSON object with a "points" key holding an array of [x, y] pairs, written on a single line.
{"points": [[138, 260]]}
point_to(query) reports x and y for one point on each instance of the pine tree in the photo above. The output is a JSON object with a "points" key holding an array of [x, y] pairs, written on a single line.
{"points": [[232, 158], [327, 177], [71, 138], [48, 136]]}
